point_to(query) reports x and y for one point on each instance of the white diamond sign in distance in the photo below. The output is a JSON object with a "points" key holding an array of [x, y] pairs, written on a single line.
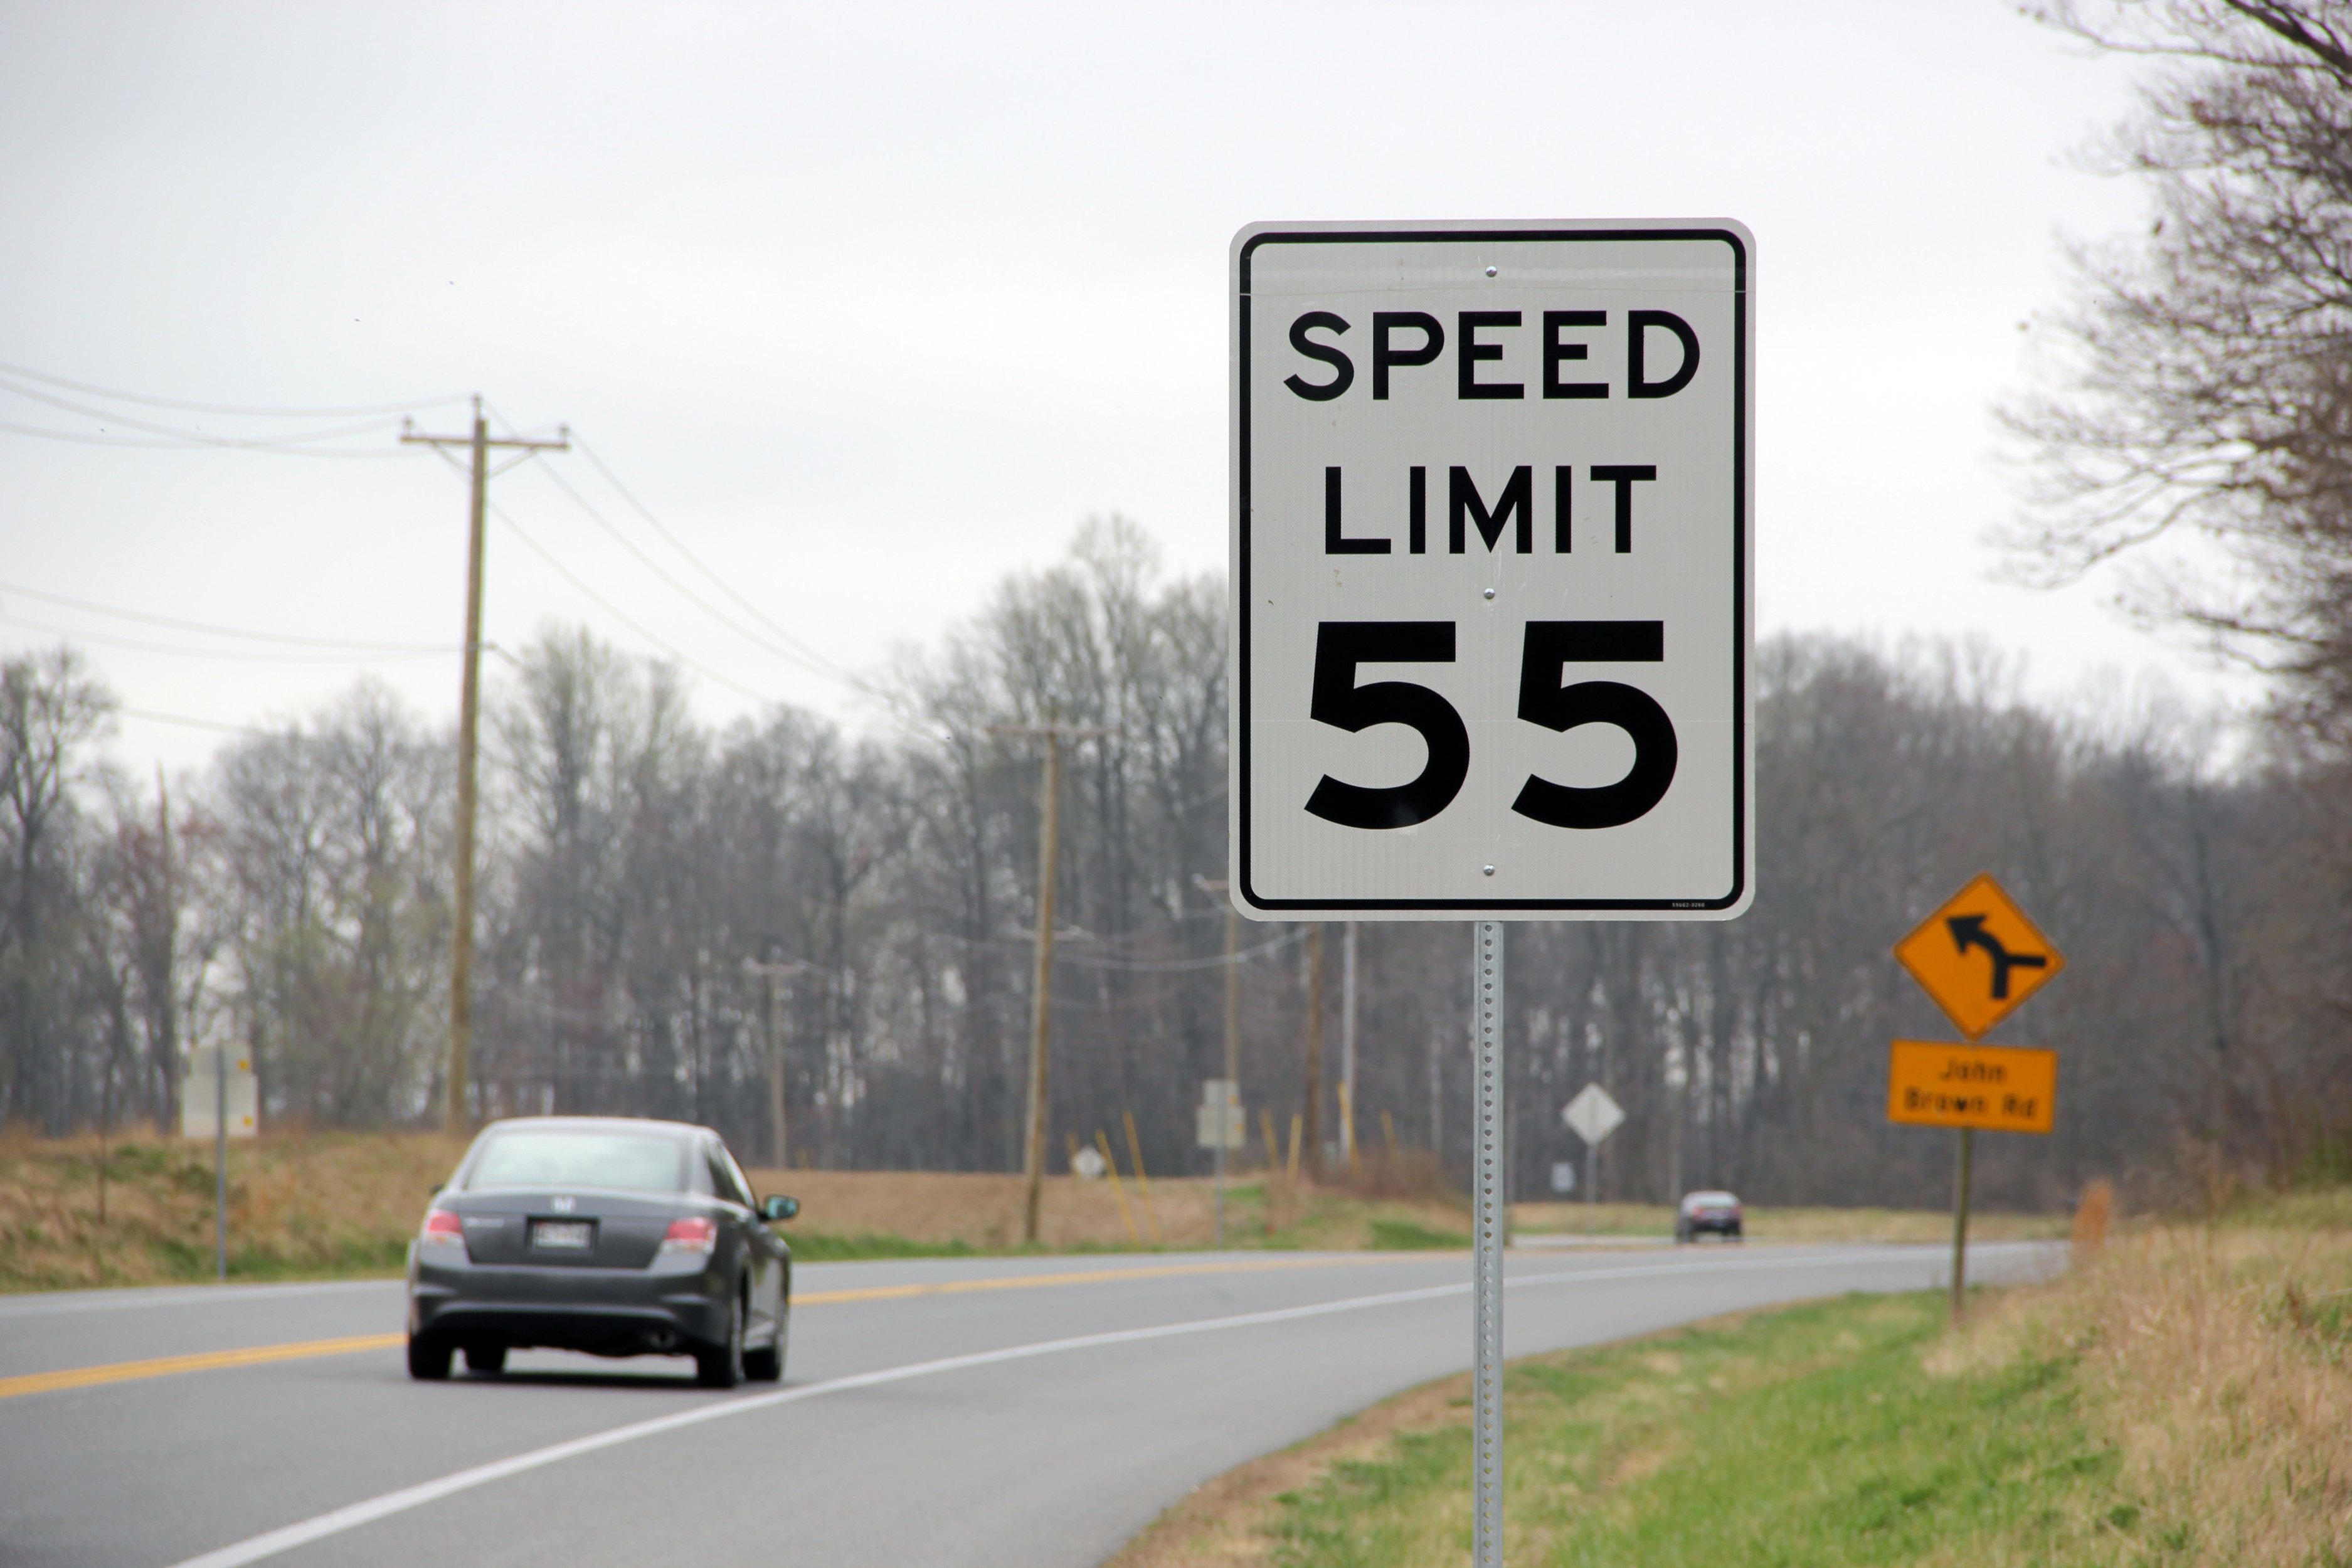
{"points": [[1593, 1114]]}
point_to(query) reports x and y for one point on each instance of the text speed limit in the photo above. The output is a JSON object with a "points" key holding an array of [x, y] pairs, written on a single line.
{"points": [[1491, 572]]}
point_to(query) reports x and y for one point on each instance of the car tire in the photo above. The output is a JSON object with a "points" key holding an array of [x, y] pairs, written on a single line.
{"points": [[721, 1365], [428, 1357], [486, 1358], [766, 1364]]}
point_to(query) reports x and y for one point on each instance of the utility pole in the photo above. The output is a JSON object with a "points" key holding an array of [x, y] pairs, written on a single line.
{"points": [[1049, 833], [771, 971], [1312, 1131], [1348, 1047], [1232, 1028], [456, 1118]]}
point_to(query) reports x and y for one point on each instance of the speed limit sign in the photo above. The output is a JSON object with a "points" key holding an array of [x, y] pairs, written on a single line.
{"points": [[1492, 570]]}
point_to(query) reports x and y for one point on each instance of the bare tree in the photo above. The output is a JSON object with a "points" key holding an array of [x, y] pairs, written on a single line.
{"points": [[2200, 385], [53, 713]]}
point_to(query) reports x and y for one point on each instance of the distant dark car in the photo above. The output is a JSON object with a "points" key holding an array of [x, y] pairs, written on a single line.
{"points": [[607, 1235], [1701, 1213]]}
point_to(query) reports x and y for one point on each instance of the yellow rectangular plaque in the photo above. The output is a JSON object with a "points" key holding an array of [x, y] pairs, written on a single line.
{"points": [[2004, 1088]]}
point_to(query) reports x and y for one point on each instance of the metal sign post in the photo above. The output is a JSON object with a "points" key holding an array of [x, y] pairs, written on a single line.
{"points": [[1486, 1271], [1492, 603]]}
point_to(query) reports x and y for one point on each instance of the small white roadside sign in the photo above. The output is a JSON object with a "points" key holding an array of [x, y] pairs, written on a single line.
{"points": [[1491, 569], [1593, 1114], [202, 1094], [1211, 1121]]}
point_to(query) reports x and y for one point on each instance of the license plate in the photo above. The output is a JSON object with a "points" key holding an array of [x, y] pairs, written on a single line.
{"points": [[563, 1235]]}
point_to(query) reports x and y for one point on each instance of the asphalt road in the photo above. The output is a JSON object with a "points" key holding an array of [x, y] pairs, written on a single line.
{"points": [[1029, 1413]]}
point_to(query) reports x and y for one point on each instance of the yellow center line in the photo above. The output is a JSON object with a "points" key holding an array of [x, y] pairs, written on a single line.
{"points": [[164, 1366], [209, 1361]]}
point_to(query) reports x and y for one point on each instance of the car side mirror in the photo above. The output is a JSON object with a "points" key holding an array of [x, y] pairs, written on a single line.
{"points": [[774, 1209]]}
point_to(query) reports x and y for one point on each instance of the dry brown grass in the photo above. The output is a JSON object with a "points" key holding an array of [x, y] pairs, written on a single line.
{"points": [[345, 1202], [984, 1211], [1791, 1224], [299, 1203], [2219, 1360]]}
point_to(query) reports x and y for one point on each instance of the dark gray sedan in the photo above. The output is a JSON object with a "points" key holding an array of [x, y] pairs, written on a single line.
{"points": [[607, 1235]]}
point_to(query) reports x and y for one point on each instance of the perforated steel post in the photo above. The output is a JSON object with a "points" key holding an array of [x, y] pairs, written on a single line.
{"points": [[1486, 1282]]}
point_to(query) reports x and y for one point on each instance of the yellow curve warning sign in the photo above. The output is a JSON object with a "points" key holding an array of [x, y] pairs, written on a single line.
{"points": [[2005, 1089], [1978, 957]]}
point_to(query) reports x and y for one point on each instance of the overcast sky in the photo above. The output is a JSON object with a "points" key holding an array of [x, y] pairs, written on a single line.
{"points": [[873, 304]]}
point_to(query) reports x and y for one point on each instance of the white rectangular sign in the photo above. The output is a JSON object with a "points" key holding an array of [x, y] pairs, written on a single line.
{"points": [[1492, 570], [200, 1098]]}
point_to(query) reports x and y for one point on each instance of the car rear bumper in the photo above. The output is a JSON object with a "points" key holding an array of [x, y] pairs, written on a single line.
{"points": [[604, 1312]]}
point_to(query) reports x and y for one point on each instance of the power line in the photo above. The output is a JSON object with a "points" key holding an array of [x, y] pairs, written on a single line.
{"points": [[231, 654], [214, 724], [84, 439], [225, 631], [141, 397], [152, 444], [617, 614], [688, 594], [720, 582], [193, 437]]}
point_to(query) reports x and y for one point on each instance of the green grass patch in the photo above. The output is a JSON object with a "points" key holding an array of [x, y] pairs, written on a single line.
{"points": [[817, 1246], [1409, 1236], [1806, 1436]]}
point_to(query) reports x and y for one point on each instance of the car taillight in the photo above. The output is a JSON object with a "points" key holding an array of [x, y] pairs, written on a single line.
{"points": [[441, 1229], [695, 1235]]}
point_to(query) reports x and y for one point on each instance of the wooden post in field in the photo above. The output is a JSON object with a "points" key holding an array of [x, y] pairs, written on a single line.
{"points": [[1110, 1169], [1143, 1180]]}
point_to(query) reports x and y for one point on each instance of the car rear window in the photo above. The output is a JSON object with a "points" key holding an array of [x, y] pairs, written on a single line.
{"points": [[547, 1157]]}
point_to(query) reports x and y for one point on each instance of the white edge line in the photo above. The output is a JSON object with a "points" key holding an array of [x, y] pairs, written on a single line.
{"points": [[256, 1548]]}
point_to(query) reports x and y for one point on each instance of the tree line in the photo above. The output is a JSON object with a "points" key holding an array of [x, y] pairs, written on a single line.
{"points": [[669, 906], [666, 906]]}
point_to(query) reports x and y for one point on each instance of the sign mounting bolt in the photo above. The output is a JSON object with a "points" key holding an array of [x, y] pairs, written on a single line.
{"points": [[1490, 593], [1491, 270], [1488, 870]]}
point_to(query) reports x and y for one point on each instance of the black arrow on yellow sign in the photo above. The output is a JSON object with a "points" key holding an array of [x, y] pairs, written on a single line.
{"points": [[1968, 932]]}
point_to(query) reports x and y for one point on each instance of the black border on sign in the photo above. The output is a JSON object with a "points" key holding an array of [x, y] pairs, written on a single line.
{"points": [[1243, 591]]}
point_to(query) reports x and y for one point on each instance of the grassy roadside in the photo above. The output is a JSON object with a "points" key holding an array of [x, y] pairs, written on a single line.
{"points": [[342, 1205], [1766, 1224], [2186, 1397], [310, 1206]]}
